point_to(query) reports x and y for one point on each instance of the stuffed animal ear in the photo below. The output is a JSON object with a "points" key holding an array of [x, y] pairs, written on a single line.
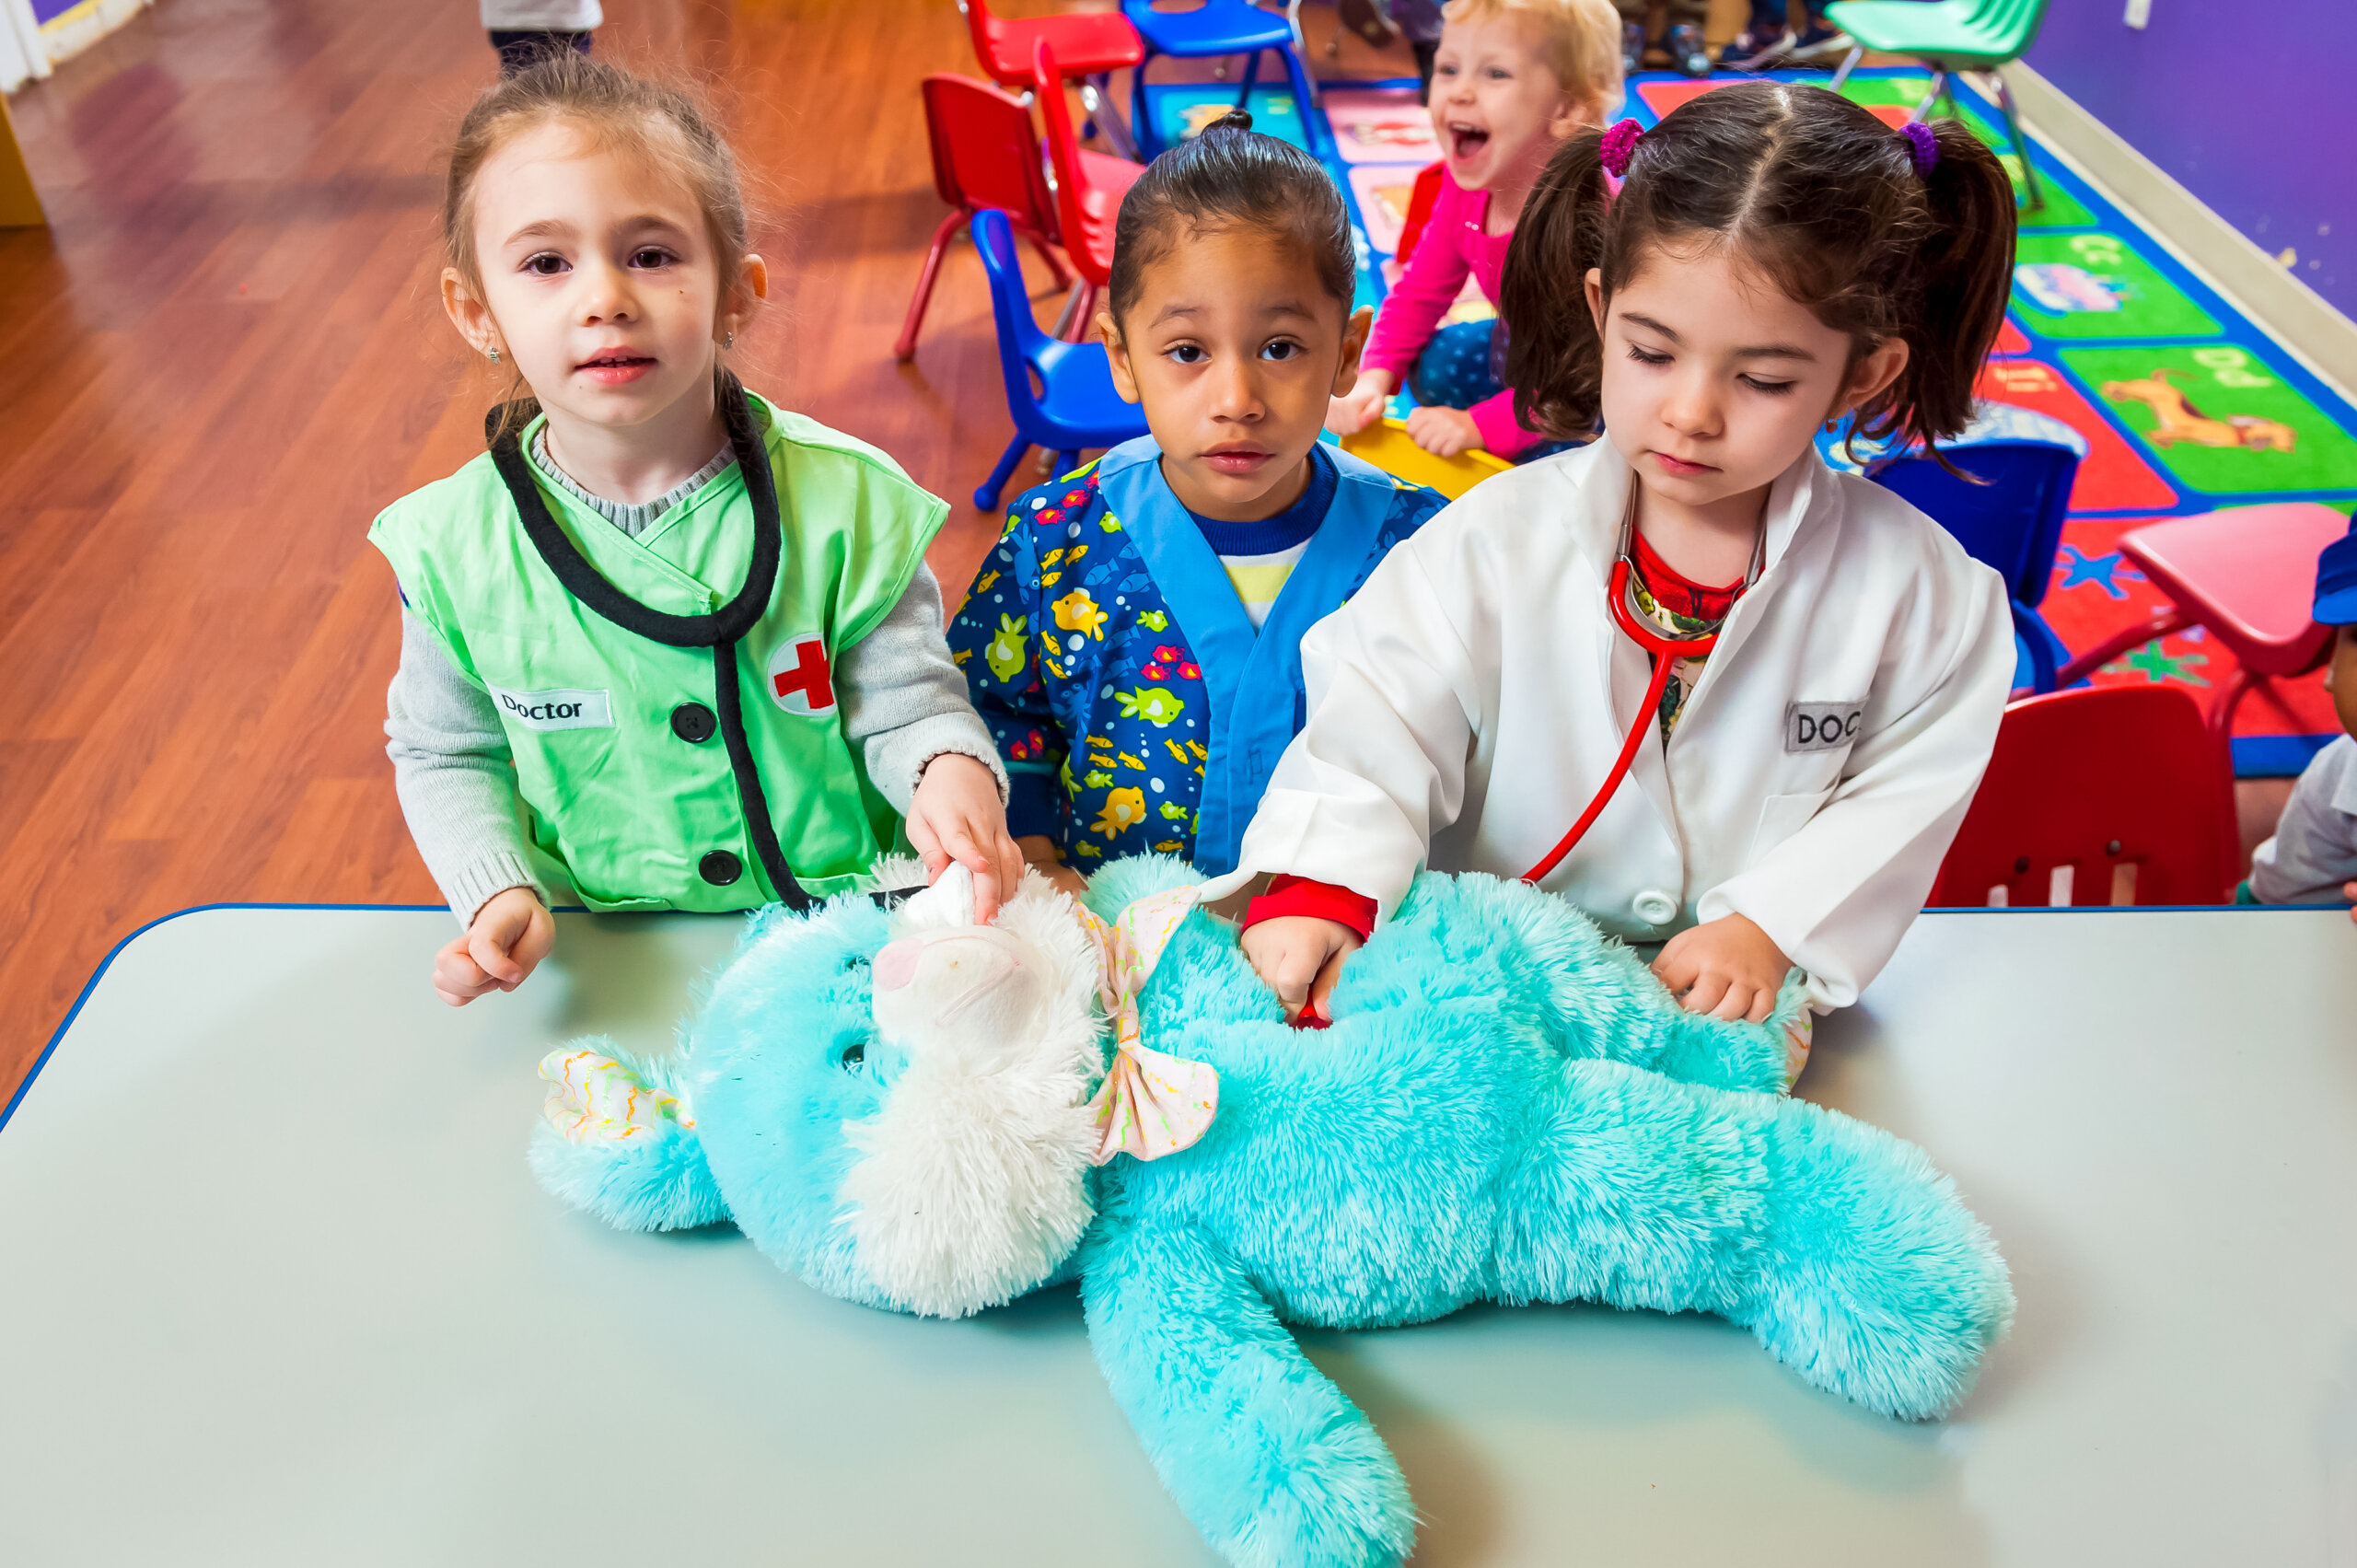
{"points": [[948, 902]]}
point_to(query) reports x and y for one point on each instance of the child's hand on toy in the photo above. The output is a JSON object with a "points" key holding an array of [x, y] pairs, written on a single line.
{"points": [[1362, 405], [502, 945], [1301, 957], [956, 815], [1443, 432], [1039, 853], [1729, 969]]}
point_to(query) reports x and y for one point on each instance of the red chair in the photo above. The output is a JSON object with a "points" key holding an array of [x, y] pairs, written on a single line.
{"points": [[2110, 795], [1087, 45], [984, 155], [1089, 186], [2247, 574], [1422, 198]]}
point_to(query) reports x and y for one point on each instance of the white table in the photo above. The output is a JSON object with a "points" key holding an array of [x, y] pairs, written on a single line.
{"points": [[275, 1287]]}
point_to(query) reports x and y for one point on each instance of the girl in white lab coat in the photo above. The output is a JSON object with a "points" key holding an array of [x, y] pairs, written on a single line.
{"points": [[1776, 258]]}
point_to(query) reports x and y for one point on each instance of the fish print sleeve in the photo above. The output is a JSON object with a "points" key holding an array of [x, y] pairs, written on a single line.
{"points": [[995, 639]]}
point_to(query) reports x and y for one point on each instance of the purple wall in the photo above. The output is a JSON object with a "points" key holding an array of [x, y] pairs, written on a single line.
{"points": [[2252, 107]]}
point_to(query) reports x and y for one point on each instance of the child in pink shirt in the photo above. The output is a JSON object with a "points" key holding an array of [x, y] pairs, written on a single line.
{"points": [[1513, 80]]}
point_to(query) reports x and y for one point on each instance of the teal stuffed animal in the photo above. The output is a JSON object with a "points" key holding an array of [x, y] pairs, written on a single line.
{"points": [[905, 1109]]}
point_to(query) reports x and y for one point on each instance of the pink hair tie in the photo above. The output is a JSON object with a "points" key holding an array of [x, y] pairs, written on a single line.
{"points": [[1923, 145], [1619, 146]]}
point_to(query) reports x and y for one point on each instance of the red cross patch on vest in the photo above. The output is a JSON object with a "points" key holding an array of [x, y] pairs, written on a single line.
{"points": [[800, 680]]}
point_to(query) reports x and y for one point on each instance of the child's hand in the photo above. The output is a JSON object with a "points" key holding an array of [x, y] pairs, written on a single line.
{"points": [[1301, 957], [1362, 405], [1040, 855], [1443, 432], [2348, 891], [957, 815], [1728, 968], [505, 943]]}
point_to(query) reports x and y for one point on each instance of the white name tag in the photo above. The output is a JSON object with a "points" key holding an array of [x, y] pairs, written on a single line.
{"points": [[1821, 727], [556, 710]]}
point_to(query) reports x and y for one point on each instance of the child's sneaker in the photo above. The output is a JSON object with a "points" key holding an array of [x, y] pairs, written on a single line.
{"points": [[1633, 48], [1821, 43], [1687, 49], [1757, 48]]}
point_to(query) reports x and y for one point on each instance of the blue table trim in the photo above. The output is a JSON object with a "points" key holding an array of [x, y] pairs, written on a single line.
{"points": [[116, 951]]}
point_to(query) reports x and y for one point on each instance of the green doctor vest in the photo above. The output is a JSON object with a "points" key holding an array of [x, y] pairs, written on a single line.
{"points": [[676, 733]]}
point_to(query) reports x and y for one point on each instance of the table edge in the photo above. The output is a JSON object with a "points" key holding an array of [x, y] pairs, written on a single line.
{"points": [[82, 997]]}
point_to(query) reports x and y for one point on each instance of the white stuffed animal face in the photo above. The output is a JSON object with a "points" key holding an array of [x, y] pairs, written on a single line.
{"points": [[971, 1184]]}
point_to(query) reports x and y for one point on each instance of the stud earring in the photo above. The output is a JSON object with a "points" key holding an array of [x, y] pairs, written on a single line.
{"points": [[494, 352], [730, 341]]}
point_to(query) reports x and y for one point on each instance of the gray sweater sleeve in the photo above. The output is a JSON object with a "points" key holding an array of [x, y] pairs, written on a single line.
{"points": [[455, 777], [904, 700]]}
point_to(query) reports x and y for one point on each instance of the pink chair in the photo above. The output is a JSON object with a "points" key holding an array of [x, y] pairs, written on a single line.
{"points": [[2247, 574], [984, 155]]}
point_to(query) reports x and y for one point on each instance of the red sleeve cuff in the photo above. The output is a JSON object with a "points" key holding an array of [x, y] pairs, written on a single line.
{"points": [[1322, 900]]}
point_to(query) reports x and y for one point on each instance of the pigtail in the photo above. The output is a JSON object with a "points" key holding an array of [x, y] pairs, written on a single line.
{"points": [[1965, 265], [1554, 357]]}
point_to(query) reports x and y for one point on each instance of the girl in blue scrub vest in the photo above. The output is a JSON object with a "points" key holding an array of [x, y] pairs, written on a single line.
{"points": [[1134, 642]]}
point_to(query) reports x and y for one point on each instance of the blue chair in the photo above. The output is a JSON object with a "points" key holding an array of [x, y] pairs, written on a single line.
{"points": [[1214, 30], [1076, 406], [2012, 521]]}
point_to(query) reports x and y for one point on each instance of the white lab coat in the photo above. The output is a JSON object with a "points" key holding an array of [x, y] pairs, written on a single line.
{"points": [[1471, 698]]}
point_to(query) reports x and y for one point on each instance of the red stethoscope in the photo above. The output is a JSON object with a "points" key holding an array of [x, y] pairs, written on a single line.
{"points": [[1639, 628]]}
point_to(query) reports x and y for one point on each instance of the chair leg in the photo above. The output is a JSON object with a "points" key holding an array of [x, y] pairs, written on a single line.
{"points": [[1057, 269], [1305, 92], [1141, 117], [1096, 97], [2173, 619], [2030, 187], [905, 348], [2222, 714], [1848, 65], [986, 498], [1066, 462], [1939, 86], [1252, 75]]}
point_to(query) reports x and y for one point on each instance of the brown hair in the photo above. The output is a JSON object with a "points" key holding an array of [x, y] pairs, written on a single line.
{"points": [[617, 111], [1233, 177], [1821, 197]]}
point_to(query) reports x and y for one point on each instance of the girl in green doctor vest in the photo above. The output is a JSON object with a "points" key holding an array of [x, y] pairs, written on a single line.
{"points": [[665, 645]]}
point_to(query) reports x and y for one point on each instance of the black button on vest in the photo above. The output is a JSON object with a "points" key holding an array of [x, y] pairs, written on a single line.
{"points": [[720, 868], [693, 723]]}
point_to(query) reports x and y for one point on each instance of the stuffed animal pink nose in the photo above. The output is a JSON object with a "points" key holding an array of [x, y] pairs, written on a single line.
{"points": [[896, 963]]}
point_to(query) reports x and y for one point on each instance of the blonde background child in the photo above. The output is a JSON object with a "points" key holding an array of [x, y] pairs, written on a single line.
{"points": [[665, 644], [1511, 80]]}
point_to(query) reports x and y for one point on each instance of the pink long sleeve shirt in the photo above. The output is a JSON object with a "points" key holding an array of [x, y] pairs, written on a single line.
{"points": [[1453, 245]]}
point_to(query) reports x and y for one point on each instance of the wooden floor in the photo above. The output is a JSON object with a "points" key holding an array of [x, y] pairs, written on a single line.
{"points": [[225, 357]]}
